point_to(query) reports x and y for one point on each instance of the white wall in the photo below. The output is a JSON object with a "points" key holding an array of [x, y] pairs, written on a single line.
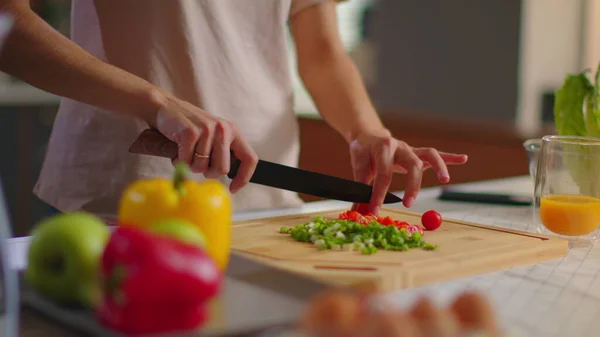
{"points": [[557, 37], [591, 48], [551, 35]]}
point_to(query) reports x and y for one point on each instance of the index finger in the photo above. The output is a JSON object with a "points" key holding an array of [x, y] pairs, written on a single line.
{"points": [[248, 161], [383, 177], [454, 158], [414, 173]]}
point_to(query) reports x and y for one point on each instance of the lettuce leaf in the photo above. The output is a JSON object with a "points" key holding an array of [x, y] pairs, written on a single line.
{"points": [[569, 106], [592, 110], [577, 113]]}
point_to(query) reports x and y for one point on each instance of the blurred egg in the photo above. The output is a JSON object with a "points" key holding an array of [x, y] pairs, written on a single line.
{"points": [[475, 313], [333, 313], [389, 324], [433, 321]]}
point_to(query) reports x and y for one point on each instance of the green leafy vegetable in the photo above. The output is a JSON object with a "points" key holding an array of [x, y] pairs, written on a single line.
{"points": [[577, 113], [569, 103], [350, 235], [593, 107]]}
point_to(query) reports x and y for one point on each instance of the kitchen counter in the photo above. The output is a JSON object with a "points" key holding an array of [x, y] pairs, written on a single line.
{"points": [[553, 298], [484, 141]]}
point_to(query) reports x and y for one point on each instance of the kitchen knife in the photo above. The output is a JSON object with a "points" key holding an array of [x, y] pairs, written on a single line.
{"points": [[152, 142]]}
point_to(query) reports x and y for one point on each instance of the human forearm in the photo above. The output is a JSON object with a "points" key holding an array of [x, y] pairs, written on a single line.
{"points": [[336, 87], [39, 55], [329, 74]]}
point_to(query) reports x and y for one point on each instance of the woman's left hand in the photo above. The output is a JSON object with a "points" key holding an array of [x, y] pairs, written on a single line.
{"points": [[376, 156]]}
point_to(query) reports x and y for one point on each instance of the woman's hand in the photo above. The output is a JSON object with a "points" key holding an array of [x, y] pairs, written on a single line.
{"points": [[376, 156], [205, 141]]}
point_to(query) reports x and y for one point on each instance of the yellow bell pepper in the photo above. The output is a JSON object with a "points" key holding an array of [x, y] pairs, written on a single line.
{"points": [[206, 204]]}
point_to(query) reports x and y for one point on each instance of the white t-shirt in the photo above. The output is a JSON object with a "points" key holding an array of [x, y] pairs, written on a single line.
{"points": [[228, 57]]}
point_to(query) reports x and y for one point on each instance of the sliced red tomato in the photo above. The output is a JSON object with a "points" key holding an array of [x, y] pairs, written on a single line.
{"points": [[348, 215], [353, 216], [409, 228], [401, 224], [414, 228], [385, 221], [370, 218]]}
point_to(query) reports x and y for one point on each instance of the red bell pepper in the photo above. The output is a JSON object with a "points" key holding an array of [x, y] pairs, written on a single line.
{"points": [[155, 284]]}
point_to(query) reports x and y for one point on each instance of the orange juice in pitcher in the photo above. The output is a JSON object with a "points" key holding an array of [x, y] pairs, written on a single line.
{"points": [[570, 215]]}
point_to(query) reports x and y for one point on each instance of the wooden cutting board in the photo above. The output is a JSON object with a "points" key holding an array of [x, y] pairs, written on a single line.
{"points": [[465, 249]]}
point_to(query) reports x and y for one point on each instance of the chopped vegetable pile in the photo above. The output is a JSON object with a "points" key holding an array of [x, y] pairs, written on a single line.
{"points": [[353, 231]]}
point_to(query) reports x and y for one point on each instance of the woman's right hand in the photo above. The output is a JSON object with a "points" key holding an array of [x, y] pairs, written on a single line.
{"points": [[205, 141]]}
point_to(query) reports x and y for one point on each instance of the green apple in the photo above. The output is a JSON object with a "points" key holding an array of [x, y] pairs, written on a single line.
{"points": [[181, 230], [64, 258]]}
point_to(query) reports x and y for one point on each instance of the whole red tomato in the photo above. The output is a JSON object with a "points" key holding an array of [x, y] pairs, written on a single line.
{"points": [[431, 220]]}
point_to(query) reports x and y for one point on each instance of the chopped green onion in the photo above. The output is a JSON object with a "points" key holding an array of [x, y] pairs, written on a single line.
{"points": [[349, 235]]}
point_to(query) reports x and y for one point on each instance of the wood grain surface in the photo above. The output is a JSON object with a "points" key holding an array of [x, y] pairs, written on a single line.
{"points": [[464, 249]]}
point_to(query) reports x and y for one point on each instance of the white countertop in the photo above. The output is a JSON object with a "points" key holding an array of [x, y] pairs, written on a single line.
{"points": [[554, 298]]}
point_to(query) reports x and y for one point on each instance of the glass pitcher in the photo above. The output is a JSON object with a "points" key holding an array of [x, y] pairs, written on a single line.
{"points": [[567, 188]]}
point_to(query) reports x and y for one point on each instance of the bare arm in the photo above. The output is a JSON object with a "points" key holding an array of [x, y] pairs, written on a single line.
{"points": [[329, 74], [337, 89], [44, 58]]}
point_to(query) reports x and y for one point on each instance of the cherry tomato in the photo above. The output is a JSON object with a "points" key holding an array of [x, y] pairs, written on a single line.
{"points": [[431, 220]]}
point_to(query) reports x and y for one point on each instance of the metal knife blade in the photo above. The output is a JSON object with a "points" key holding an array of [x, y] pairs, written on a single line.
{"points": [[151, 142]]}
